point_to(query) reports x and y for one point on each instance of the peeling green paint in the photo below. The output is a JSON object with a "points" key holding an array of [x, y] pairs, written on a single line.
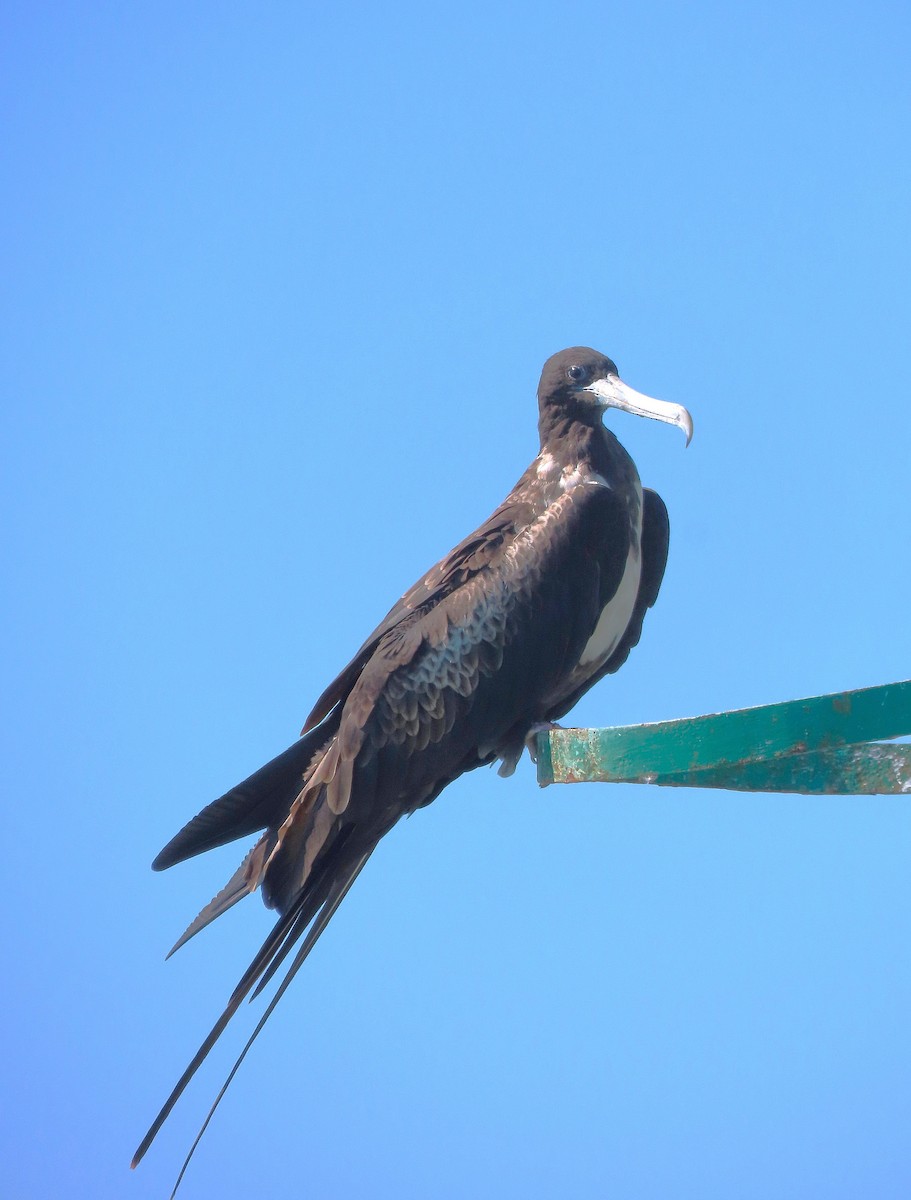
{"points": [[816, 746]]}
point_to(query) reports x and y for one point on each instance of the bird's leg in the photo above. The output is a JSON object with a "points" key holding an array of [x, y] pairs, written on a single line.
{"points": [[509, 758], [510, 755], [531, 738]]}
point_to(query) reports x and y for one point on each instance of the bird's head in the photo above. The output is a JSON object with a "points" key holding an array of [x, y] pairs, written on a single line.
{"points": [[581, 383]]}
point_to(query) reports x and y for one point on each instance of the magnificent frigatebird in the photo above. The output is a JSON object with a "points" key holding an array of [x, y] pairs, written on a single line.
{"points": [[501, 637]]}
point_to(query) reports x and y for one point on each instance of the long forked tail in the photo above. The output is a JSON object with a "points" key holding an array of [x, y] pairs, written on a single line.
{"points": [[315, 906], [265, 800]]}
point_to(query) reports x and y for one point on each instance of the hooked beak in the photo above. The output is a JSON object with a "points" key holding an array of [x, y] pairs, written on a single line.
{"points": [[614, 393]]}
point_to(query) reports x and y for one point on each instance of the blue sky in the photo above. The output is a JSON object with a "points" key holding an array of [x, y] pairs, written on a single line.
{"points": [[278, 285]]}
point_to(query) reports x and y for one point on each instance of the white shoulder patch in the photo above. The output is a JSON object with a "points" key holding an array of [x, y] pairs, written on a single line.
{"points": [[581, 475], [547, 465]]}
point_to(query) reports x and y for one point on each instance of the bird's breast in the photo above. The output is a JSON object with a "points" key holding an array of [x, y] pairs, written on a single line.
{"points": [[615, 615], [556, 478]]}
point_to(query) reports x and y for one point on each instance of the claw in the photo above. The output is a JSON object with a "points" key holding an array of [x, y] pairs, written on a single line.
{"points": [[509, 758], [531, 738]]}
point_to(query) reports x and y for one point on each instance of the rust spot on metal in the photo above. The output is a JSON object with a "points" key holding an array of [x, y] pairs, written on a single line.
{"points": [[842, 704]]}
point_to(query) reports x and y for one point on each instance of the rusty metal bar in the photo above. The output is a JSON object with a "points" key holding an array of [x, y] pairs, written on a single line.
{"points": [[819, 745]]}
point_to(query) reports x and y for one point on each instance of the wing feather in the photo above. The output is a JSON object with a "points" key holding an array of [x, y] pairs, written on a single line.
{"points": [[475, 553]]}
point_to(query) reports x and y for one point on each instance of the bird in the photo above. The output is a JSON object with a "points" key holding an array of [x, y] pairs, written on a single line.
{"points": [[494, 643]]}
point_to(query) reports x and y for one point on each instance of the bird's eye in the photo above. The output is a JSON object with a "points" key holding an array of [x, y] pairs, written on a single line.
{"points": [[577, 373]]}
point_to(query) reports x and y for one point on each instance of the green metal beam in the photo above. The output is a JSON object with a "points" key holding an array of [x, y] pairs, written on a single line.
{"points": [[817, 746]]}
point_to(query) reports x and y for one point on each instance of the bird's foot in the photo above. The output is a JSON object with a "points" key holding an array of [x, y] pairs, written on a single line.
{"points": [[531, 738], [509, 759]]}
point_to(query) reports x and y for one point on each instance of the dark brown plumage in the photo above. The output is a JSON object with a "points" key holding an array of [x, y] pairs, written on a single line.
{"points": [[504, 633]]}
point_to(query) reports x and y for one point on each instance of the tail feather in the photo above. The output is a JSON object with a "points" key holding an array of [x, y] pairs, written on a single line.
{"points": [[306, 862], [336, 895], [283, 858], [306, 832], [324, 891], [245, 880]]}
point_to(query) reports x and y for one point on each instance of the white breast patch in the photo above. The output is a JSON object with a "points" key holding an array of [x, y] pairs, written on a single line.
{"points": [[615, 615]]}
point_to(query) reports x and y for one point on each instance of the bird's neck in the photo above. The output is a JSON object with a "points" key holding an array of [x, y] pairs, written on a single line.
{"points": [[571, 442], [578, 452]]}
